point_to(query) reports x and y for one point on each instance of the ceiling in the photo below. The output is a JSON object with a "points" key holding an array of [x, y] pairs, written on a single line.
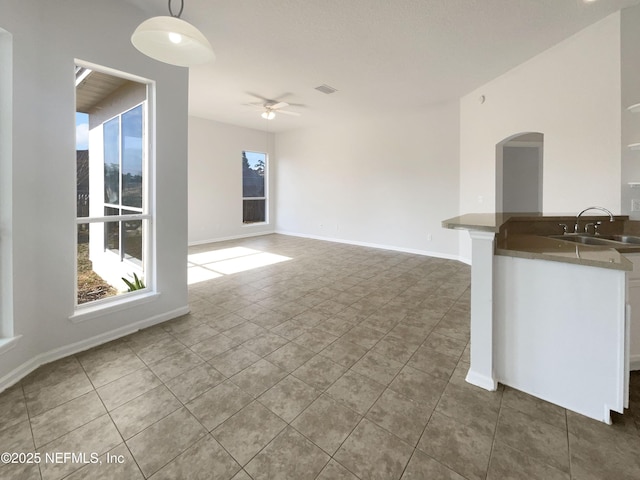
{"points": [[383, 56]]}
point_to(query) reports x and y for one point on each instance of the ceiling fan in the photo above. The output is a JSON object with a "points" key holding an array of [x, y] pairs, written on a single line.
{"points": [[270, 108]]}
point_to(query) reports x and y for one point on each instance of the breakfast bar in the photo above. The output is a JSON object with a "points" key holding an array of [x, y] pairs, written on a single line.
{"points": [[549, 309]]}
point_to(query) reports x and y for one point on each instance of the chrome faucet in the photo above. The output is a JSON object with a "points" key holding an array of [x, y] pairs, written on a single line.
{"points": [[611, 219]]}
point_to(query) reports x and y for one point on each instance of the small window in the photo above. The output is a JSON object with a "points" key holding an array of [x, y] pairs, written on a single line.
{"points": [[254, 191]]}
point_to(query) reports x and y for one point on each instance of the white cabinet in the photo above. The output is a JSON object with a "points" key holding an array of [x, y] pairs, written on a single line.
{"points": [[560, 332], [633, 300]]}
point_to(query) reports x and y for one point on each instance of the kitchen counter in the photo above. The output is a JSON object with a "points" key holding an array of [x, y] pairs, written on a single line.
{"points": [[557, 250], [549, 316], [530, 238]]}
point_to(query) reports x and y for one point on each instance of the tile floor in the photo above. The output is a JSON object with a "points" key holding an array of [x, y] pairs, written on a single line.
{"points": [[340, 363]]}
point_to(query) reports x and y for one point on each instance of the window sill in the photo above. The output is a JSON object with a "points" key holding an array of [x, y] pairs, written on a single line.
{"points": [[254, 224], [7, 344], [88, 313]]}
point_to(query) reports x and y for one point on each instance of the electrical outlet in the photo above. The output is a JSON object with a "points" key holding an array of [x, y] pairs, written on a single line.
{"points": [[429, 237], [635, 205]]}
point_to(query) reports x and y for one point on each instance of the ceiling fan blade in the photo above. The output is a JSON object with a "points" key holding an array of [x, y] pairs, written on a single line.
{"points": [[278, 105], [286, 112]]}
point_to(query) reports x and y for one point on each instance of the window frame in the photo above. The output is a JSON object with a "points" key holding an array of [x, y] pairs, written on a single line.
{"points": [[95, 308], [265, 198]]}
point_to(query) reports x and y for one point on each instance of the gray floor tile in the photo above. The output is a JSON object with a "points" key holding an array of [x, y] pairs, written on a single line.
{"points": [[52, 374], [534, 437], [364, 336], [265, 343], [319, 372], [289, 398], [96, 437], [247, 432], [156, 351], [418, 386], [163, 441], [128, 387], [356, 391], [217, 404], [472, 406], [60, 420], [377, 367], [335, 471], [195, 334], [326, 423], [434, 363], [508, 463], [446, 345], [137, 414], [315, 340], [534, 407], [212, 346], [403, 321], [462, 448], [289, 456], [117, 463], [360, 453], [204, 460], [45, 396], [20, 471], [194, 382], [423, 467], [259, 377], [290, 356], [102, 372], [344, 352], [402, 416], [234, 360], [13, 407], [173, 365], [17, 438], [395, 349]]}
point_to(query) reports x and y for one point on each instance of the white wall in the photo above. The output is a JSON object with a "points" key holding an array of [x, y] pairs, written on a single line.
{"points": [[571, 94], [387, 181], [47, 37], [6, 188], [215, 179]]}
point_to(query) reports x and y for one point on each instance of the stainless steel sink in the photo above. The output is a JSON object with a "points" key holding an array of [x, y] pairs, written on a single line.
{"points": [[607, 240], [621, 238], [587, 240]]}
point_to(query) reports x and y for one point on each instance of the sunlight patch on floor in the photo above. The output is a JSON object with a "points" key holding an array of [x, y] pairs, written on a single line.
{"points": [[216, 263]]}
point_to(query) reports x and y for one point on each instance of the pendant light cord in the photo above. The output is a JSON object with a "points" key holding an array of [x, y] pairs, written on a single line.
{"points": [[181, 8]]}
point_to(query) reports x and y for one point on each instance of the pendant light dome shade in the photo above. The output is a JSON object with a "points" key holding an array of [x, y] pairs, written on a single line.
{"points": [[172, 40]]}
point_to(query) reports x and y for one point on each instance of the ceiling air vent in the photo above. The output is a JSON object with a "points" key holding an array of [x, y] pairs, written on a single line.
{"points": [[326, 89]]}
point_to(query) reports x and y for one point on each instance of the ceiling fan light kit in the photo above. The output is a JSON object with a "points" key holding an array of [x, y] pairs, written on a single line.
{"points": [[268, 115], [172, 40]]}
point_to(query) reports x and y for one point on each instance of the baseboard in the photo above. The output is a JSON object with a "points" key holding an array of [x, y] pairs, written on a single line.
{"points": [[26, 368], [234, 237], [481, 381], [394, 248]]}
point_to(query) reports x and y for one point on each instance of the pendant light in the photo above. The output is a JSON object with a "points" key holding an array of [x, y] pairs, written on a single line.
{"points": [[172, 40]]}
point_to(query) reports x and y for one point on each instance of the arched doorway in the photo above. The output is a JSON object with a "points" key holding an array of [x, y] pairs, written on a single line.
{"points": [[519, 160]]}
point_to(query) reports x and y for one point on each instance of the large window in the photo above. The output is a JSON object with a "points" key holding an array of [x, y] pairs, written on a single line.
{"points": [[123, 175], [114, 215], [254, 193]]}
